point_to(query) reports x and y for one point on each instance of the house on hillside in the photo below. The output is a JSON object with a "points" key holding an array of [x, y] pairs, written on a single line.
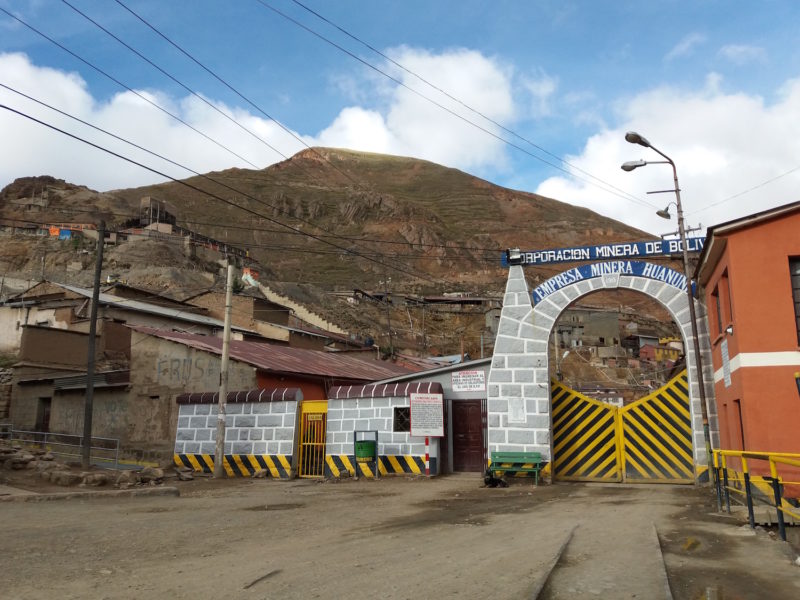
{"points": [[61, 306], [273, 321], [749, 278]]}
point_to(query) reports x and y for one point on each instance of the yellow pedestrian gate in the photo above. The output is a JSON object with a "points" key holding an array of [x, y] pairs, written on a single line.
{"points": [[649, 440], [312, 438]]}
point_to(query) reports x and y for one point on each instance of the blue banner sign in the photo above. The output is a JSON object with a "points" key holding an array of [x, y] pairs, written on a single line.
{"points": [[607, 251], [621, 267]]}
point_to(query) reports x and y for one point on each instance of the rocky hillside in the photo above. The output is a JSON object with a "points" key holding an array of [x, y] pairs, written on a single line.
{"points": [[325, 220]]}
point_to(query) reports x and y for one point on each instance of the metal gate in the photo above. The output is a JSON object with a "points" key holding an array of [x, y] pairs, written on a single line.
{"points": [[657, 436], [650, 440], [312, 438], [584, 437]]}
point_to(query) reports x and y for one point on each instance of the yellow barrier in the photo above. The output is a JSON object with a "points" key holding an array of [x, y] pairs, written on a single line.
{"points": [[773, 483]]}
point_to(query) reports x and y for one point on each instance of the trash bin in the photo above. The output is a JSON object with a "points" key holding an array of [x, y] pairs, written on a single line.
{"points": [[365, 450]]}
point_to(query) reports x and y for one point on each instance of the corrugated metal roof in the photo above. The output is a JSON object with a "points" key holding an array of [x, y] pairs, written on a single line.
{"points": [[283, 359], [257, 395], [385, 390], [145, 307]]}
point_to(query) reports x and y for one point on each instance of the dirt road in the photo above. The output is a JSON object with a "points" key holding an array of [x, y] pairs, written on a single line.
{"points": [[393, 538]]}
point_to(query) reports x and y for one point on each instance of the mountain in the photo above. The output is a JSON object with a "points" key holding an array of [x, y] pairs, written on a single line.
{"points": [[328, 220]]}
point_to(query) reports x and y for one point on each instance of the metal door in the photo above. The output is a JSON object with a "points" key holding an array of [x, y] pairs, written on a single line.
{"points": [[657, 436], [312, 439], [469, 423], [584, 437]]}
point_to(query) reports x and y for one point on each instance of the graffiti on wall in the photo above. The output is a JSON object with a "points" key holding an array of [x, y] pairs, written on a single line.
{"points": [[183, 370]]}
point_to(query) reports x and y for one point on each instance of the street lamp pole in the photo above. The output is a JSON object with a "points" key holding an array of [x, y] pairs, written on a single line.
{"points": [[635, 138]]}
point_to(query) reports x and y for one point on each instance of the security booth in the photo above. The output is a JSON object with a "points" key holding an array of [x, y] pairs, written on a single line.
{"points": [[404, 411]]}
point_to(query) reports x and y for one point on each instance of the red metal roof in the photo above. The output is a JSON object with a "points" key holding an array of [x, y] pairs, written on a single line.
{"points": [[257, 395], [385, 390], [283, 359]]}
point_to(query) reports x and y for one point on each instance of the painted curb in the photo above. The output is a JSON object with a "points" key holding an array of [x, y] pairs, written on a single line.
{"points": [[157, 491]]}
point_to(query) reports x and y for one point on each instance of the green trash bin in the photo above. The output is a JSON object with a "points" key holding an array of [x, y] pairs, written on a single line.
{"points": [[365, 451]]}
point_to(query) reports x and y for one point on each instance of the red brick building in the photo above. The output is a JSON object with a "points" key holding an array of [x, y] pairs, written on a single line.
{"points": [[749, 274]]}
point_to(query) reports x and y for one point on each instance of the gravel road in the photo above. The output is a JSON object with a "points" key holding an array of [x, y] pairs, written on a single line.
{"points": [[394, 538]]}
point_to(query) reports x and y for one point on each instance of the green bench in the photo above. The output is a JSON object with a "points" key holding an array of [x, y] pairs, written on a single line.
{"points": [[516, 462]]}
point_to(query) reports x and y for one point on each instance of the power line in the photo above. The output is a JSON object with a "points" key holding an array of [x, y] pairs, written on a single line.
{"points": [[187, 88], [609, 188], [233, 89], [131, 90], [459, 101], [214, 196]]}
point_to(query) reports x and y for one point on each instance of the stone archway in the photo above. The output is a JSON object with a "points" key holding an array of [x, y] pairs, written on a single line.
{"points": [[518, 393]]}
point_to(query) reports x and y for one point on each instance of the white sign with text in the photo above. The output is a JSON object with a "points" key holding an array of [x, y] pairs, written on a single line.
{"points": [[427, 415], [469, 381]]}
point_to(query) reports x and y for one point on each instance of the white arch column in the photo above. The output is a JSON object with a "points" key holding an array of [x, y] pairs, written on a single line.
{"points": [[519, 383]]}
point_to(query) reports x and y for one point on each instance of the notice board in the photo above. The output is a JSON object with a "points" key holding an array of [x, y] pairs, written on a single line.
{"points": [[427, 415]]}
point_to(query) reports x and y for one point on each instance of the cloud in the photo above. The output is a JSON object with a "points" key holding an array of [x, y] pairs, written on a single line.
{"points": [[38, 150], [685, 47], [403, 123], [743, 54], [541, 88], [723, 144]]}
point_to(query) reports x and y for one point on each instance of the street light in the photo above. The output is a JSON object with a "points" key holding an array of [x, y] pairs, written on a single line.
{"points": [[634, 138]]}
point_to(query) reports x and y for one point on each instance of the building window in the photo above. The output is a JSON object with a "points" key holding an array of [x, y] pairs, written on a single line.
{"points": [[794, 270], [402, 419], [717, 311]]}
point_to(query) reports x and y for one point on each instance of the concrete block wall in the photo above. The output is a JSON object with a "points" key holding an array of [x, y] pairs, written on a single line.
{"points": [[350, 414], [518, 380], [255, 428]]}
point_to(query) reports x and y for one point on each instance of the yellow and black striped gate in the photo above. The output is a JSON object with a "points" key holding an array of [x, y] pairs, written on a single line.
{"points": [[650, 440], [657, 436], [312, 438], [584, 437]]}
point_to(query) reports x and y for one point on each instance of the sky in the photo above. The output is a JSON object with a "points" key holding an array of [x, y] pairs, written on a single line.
{"points": [[536, 96]]}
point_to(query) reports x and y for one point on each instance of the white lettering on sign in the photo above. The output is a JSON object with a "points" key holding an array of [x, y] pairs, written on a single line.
{"points": [[469, 381], [726, 363], [427, 415]]}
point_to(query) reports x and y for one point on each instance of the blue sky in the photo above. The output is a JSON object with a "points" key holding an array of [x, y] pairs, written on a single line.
{"points": [[714, 84]]}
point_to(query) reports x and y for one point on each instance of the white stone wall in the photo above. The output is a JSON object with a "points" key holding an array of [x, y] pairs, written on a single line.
{"points": [[518, 376], [250, 428], [347, 415], [520, 366]]}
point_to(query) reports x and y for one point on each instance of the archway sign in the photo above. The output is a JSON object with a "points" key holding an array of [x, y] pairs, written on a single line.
{"points": [[518, 393]]}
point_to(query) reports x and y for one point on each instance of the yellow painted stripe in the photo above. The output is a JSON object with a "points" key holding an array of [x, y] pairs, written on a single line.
{"points": [[656, 453], [685, 429], [575, 428], [366, 470], [569, 418], [605, 421], [603, 466], [193, 460], [284, 462], [412, 464], [252, 461], [237, 458], [208, 459], [644, 459], [382, 468], [271, 466], [228, 469], [348, 465], [396, 467], [332, 466], [661, 426]]}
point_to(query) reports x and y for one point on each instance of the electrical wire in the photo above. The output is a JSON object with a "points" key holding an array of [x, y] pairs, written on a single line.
{"points": [[347, 251], [461, 102], [131, 90], [176, 80], [608, 188]]}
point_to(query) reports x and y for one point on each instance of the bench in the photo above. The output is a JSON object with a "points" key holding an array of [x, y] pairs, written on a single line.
{"points": [[516, 462]]}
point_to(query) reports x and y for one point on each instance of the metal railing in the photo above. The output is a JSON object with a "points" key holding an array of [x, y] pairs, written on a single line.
{"points": [[728, 479], [103, 450]]}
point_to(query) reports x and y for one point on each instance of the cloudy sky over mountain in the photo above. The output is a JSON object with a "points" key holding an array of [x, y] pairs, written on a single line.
{"points": [[535, 96]]}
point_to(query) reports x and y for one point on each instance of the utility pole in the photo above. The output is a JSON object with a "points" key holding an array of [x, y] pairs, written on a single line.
{"points": [[389, 315], [219, 469], [90, 363]]}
